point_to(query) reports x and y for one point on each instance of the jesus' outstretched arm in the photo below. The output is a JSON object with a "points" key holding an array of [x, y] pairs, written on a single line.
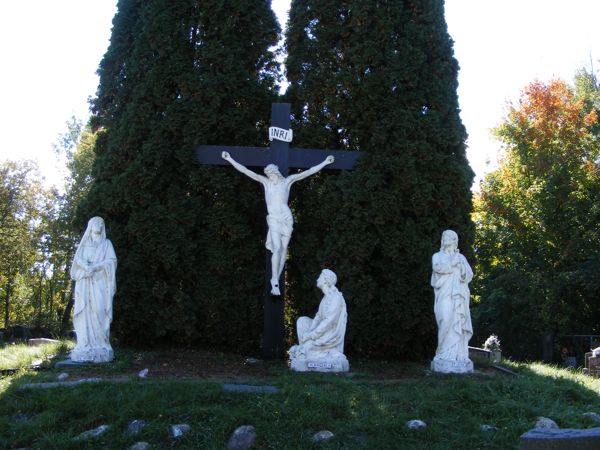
{"points": [[256, 177], [308, 172]]}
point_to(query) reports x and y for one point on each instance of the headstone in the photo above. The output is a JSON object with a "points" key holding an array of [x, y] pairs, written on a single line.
{"points": [[321, 340], [563, 439], [93, 270], [450, 281], [242, 438]]}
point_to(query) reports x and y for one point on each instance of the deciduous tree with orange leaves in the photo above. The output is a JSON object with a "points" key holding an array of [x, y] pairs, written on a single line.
{"points": [[538, 220]]}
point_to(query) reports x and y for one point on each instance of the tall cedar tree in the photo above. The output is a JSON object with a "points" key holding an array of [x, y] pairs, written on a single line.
{"points": [[189, 239], [379, 77]]}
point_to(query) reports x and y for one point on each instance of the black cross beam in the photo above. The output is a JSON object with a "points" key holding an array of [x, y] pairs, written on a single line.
{"points": [[280, 154]]}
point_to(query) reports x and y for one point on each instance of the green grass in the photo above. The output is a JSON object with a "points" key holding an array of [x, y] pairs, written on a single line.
{"points": [[366, 409]]}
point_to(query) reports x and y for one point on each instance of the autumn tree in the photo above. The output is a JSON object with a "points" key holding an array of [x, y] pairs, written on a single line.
{"points": [[538, 221]]}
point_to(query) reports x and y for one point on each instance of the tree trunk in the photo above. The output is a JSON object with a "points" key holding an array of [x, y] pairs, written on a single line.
{"points": [[66, 317], [7, 303]]}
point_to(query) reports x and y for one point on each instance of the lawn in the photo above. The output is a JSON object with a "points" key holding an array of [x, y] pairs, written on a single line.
{"points": [[365, 409]]}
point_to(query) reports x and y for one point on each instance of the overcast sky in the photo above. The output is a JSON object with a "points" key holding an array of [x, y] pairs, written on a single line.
{"points": [[50, 51]]}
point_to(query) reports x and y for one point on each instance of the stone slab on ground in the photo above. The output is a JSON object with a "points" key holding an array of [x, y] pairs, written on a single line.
{"points": [[560, 439], [249, 388], [36, 342]]}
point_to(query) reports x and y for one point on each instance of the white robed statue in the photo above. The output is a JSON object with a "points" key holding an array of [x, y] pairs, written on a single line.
{"points": [[279, 218], [450, 280], [93, 270], [321, 340]]}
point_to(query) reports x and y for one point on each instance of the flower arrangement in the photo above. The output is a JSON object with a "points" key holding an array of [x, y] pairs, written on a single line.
{"points": [[492, 343]]}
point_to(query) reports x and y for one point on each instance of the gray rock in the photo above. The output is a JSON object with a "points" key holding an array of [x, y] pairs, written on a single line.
{"points": [[416, 424], [92, 434], [134, 427], [62, 376], [242, 438], [251, 361], [143, 373], [179, 430], [563, 439], [323, 436], [250, 388], [545, 423], [21, 417], [488, 428], [592, 415], [140, 446]]}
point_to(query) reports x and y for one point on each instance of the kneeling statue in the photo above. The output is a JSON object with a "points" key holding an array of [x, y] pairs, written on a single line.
{"points": [[321, 340]]}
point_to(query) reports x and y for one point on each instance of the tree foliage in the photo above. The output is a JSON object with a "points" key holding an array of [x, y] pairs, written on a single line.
{"points": [[538, 218], [188, 239], [23, 202], [378, 77]]}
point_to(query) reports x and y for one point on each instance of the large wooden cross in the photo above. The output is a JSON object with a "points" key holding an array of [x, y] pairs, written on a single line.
{"points": [[280, 154]]}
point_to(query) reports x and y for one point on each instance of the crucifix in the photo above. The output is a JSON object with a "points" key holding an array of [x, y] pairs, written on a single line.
{"points": [[276, 160]]}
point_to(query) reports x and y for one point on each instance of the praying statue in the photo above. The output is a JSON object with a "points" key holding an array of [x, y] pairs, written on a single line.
{"points": [[93, 270], [279, 218], [321, 340], [450, 280]]}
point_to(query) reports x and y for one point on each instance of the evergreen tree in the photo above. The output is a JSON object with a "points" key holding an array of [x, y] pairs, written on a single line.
{"points": [[379, 77], [188, 239]]}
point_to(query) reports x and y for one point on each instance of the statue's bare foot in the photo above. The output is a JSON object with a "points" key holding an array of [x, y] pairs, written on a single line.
{"points": [[275, 288]]}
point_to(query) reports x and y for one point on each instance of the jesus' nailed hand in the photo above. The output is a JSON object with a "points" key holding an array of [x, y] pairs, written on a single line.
{"points": [[279, 217]]}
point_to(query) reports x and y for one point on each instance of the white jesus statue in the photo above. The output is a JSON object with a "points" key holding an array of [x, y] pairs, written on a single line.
{"points": [[279, 217]]}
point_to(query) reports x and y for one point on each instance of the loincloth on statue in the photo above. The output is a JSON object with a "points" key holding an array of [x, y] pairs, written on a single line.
{"points": [[282, 224]]}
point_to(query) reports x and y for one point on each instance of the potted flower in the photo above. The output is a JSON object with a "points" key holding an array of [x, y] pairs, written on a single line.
{"points": [[492, 344]]}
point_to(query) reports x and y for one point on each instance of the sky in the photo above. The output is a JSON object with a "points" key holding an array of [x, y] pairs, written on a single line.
{"points": [[50, 51]]}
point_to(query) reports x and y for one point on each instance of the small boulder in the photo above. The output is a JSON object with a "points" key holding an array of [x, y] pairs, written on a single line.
{"points": [[134, 427], [62, 376], [242, 438], [323, 436], [592, 415], [488, 428], [544, 422], [416, 424], [143, 373], [140, 446], [92, 434], [179, 430]]}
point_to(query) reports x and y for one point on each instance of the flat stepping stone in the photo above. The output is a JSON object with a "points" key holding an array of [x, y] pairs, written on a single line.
{"points": [[53, 384], [249, 388], [560, 439], [36, 342]]}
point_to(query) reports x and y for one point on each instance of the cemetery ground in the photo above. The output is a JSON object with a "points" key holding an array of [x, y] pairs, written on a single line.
{"points": [[365, 409]]}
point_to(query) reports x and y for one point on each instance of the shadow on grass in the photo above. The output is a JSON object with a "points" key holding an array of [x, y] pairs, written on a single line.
{"points": [[367, 408]]}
